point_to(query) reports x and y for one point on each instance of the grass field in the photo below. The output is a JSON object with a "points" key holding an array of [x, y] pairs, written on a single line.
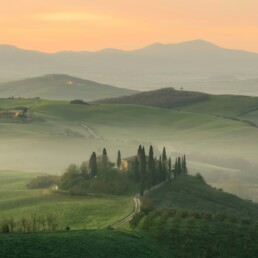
{"points": [[17, 201], [77, 244], [224, 105]]}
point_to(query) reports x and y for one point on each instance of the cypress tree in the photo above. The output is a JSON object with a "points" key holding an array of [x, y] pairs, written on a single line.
{"points": [[160, 172], [151, 168], [136, 173], [169, 168], [179, 165], [184, 166], [104, 159], [118, 161], [142, 170], [164, 155], [93, 164], [164, 164]]}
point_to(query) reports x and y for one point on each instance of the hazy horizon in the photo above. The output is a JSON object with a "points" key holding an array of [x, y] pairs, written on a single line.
{"points": [[132, 49], [78, 25]]}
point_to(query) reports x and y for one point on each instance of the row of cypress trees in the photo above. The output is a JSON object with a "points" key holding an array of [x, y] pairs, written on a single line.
{"points": [[148, 171]]}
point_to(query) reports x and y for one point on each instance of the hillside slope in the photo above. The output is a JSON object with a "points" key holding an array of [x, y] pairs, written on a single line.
{"points": [[162, 98], [191, 219], [228, 106], [193, 194], [60, 87]]}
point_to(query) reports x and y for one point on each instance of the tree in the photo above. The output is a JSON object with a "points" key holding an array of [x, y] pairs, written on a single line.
{"points": [[136, 173], [118, 161], [169, 168], [84, 169], [164, 155], [93, 164], [164, 164], [104, 159], [184, 166], [160, 172], [142, 170], [151, 168]]}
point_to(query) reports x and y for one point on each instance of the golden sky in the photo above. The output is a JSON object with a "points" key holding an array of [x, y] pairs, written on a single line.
{"points": [[54, 25]]}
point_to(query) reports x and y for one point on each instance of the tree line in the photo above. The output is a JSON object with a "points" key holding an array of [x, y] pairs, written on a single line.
{"points": [[144, 170], [32, 223]]}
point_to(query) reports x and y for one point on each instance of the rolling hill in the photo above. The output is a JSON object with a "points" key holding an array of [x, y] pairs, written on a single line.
{"points": [[220, 148], [242, 108], [60, 87], [188, 64], [163, 98], [188, 218]]}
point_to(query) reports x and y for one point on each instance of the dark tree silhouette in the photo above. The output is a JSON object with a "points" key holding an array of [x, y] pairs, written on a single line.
{"points": [[118, 161], [93, 164]]}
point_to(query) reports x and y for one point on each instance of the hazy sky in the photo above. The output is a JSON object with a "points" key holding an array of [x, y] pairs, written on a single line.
{"points": [[52, 25]]}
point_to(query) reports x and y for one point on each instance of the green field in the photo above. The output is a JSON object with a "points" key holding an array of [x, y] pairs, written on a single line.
{"points": [[224, 105], [77, 244], [55, 137], [16, 201]]}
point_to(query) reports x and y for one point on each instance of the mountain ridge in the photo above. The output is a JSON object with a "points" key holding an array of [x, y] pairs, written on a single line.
{"points": [[147, 68]]}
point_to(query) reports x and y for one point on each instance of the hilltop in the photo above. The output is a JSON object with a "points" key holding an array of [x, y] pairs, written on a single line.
{"points": [[243, 108], [188, 64], [60, 87]]}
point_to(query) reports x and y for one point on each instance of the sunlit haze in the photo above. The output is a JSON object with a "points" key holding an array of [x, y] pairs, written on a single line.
{"points": [[52, 26]]}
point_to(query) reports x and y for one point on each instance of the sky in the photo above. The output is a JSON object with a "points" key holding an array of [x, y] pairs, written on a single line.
{"points": [[52, 26]]}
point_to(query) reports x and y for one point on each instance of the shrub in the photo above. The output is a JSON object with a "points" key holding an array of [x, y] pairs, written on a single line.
{"points": [[78, 102], [43, 182]]}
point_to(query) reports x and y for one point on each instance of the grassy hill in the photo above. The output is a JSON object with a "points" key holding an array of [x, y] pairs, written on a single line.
{"points": [[77, 244], [227, 106], [192, 219], [55, 138], [193, 194], [60, 87], [163, 98]]}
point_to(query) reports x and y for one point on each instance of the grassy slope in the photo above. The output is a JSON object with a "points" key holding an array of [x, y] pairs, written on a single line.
{"points": [[163, 98], [78, 244], [63, 87], [195, 220], [224, 105], [191, 193], [78, 212]]}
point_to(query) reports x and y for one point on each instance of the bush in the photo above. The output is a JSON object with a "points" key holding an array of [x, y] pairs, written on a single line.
{"points": [[78, 102], [43, 182]]}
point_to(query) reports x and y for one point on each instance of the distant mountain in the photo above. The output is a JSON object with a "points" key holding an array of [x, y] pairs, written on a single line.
{"points": [[60, 87], [162, 98], [152, 67]]}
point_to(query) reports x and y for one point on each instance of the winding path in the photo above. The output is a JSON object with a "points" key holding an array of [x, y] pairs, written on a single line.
{"points": [[137, 206], [94, 135]]}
